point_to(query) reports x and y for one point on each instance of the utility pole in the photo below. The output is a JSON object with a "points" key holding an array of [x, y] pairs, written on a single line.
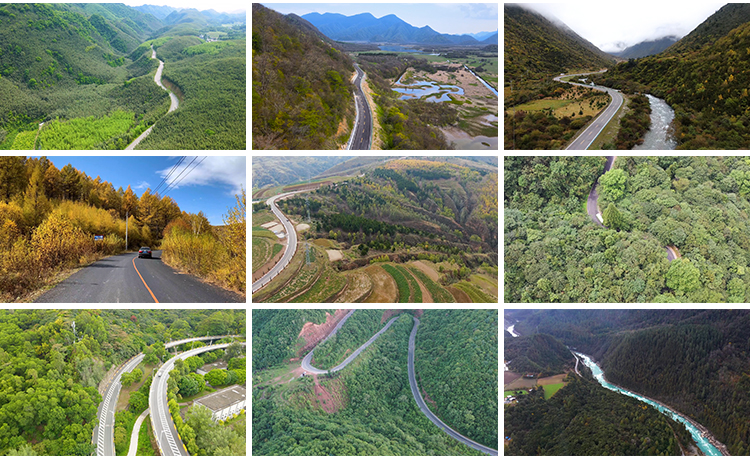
{"points": [[126, 230]]}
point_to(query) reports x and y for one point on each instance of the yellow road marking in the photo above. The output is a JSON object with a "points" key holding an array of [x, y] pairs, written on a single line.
{"points": [[144, 282]]}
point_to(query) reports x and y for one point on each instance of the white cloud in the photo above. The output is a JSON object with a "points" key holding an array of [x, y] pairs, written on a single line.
{"points": [[213, 170], [142, 186], [612, 27]]}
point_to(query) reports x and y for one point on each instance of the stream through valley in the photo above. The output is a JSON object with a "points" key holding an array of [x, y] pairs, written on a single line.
{"points": [[658, 136], [705, 446]]}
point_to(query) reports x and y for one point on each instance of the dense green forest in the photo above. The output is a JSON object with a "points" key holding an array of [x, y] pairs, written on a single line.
{"points": [[539, 353], [456, 363], [554, 252], [275, 333], [585, 419], [700, 370], [356, 331], [379, 416], [51, 362], [634, 124], [209, 79], [704, 77], [75, 66]]}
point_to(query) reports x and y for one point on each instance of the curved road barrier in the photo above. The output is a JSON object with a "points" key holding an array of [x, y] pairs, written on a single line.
{"points": [[104, 434], [165, 432], [422, 406]]}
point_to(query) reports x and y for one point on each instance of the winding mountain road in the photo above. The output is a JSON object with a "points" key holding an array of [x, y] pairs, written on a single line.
{"points": [[584, 140], [125, 278], [423, 406], [412, 379], [174, 102], [592, 207], [291, 242], [360, 137], [169, 442]]}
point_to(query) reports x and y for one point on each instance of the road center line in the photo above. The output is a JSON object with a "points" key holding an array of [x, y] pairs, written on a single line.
{"points": [[144, 282]]}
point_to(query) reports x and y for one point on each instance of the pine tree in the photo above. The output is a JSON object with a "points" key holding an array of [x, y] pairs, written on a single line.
{"points": [[613, 218]]}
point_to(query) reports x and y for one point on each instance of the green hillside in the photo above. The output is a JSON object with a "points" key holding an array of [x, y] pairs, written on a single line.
{"points": [[302, 94], [533, 45], [538, 353]]}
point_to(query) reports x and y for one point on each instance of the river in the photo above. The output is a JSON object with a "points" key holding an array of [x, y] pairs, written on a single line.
{"points": [[658, 136], [706, 447]]}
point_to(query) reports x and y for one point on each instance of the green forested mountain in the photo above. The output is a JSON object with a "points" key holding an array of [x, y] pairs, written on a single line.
{"points": [[279, 170], [537, 353], [356, 331], [554, 252], [533, 44], [85, 71], [51, 362], [301, 86], [368, 410], [704, 77], [692, 360], [585, 419], [646, 48], [457, 367]]}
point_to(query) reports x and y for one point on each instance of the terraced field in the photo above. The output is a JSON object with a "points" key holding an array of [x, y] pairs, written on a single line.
{"points": [[439, 294]]}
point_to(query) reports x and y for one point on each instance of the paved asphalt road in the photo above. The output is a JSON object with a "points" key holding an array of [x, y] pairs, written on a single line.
{"points": [[105, 432], [587, 137], [422, 406], [309, 368], [592, 205], [165, 432], [291, 243], [125, 278], [133, 450], [363, 129]]}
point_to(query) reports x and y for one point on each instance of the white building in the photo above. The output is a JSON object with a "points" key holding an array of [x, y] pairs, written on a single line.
{"points": [[224, 403]]}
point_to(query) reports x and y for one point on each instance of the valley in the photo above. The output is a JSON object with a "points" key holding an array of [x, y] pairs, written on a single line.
{"points": [[667, 375], [100, 76], [388, 50], [375, 382], [687, 108], [390, 230]]}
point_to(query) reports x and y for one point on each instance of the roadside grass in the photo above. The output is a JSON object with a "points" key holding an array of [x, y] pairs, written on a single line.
{"points": [[276, 249], [329, 283], [551, 389], [262, 232], [439, 294], [122, 401], [124, 421], [609, 133], [476, 294], [145, 447], [301, 279], [205, 391], [401, 283], [261, 250], [297, 260], [263, 217]]}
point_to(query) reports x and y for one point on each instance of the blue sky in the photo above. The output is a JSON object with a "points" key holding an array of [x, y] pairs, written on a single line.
{"points": [[227, 6], [209, 186], [452, 18]]}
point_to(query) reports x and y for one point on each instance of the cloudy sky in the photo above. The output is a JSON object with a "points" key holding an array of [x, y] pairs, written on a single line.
{"points": [[614, 26], [452, 18], [207, 184]]}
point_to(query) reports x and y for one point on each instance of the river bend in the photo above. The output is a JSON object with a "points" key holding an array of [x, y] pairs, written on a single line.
{"points": [[703, 443]]}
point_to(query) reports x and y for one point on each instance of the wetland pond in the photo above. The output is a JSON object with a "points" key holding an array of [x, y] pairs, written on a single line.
{"points": [[435, 92]]}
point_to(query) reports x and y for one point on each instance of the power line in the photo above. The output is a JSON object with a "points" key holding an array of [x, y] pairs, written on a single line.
{"points": [[182, 158], [191, 170], [166, 190]]}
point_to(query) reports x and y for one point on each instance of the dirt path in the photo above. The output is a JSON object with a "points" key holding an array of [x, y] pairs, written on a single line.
{"points": [[426, 296]]}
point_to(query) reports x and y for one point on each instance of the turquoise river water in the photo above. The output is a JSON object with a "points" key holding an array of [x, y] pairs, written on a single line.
{"points": [[702, 442]]}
